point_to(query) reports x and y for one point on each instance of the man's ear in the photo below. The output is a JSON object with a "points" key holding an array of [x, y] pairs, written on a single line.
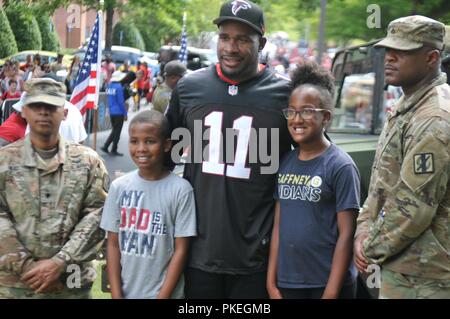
{"points": [[262, 43], [66, 111], [433, 57], [24, 113]]}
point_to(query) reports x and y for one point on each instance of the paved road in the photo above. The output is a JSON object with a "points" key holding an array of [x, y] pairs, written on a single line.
{"points": [[117, 164]]}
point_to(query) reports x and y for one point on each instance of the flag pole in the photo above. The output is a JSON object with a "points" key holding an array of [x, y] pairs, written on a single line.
{"points": [[183, 54], [100, 43], [94, 142]]}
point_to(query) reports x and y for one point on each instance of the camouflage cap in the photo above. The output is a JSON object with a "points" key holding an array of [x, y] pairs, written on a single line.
{"points": [[413, 32], [46, 91]]}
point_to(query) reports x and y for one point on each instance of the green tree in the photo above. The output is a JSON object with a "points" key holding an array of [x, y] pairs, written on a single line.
{"points": [[347, 19], [25, 27], [152, 42], [8, 44], [156, 26], [50, 39], [125, 33], [49, 6], [160, 13]]}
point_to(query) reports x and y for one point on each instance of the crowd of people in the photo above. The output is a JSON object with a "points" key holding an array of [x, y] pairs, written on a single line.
{"points": [[235, 228]]}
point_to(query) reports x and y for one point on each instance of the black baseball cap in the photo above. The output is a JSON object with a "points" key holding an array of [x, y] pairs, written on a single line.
{"points": [[242, 11]]}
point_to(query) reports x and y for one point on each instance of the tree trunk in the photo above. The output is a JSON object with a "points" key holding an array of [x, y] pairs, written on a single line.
{"points": [[416, 6], [109, 28]]}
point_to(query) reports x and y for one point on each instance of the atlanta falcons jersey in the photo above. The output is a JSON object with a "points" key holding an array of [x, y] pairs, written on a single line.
{"points": [[238, 136]]}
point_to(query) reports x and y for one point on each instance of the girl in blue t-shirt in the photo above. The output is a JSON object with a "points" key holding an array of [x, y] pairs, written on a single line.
{"points": [[317, 193]]}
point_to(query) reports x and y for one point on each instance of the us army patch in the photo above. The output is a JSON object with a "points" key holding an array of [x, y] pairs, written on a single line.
{"points": [[423, 163]]}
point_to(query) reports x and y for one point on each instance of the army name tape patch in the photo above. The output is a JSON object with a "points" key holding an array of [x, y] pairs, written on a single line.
{"points": [[424, 163]]}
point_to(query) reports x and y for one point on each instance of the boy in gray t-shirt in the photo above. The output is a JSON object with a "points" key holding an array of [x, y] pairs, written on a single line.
{"points": [[149, 215]]}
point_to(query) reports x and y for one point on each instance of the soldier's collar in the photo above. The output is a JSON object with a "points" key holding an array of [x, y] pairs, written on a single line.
{"points": [[406, 103], [30, 155]]}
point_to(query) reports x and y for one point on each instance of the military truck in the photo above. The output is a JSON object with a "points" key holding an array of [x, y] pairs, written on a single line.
{"points": [[361, 103]]}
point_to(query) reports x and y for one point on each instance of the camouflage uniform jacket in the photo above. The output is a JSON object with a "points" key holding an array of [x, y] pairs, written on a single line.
{"points": [[161, 97], [407, 212], [49, 208]]}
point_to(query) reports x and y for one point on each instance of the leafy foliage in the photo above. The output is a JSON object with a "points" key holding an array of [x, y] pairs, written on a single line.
{"points": [[347, 19], [160, 21], [125, 33], [24, 26], [8, 44], [50, 39]]}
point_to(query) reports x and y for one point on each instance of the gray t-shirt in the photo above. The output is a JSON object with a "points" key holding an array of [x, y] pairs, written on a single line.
{"points": [[148, 215]]}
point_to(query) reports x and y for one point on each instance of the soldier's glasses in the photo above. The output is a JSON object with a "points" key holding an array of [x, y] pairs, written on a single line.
{"points": [[306, 113]]}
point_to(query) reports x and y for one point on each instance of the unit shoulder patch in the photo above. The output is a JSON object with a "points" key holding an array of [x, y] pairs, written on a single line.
{"points": [[424, 163]]}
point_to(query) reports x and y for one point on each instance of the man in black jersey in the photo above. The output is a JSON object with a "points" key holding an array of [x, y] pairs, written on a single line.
{"points": [[233, 189]]}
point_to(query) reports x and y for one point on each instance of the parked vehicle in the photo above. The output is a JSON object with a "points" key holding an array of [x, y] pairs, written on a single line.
{"points": [[119, 54], [197, 58], [46, 56]]}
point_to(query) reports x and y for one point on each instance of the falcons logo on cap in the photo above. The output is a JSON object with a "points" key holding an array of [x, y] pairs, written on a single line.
{"points": [[238, 5]]}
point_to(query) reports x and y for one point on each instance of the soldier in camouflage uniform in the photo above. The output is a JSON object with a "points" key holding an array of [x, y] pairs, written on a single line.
{"points": [[404, 223], [51, 198]]}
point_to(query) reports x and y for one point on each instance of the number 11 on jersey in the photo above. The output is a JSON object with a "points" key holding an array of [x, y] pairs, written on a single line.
{"points": [[213, 166]]}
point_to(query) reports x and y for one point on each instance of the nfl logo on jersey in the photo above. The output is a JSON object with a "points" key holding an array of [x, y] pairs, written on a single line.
{"points": [[233, 90]]}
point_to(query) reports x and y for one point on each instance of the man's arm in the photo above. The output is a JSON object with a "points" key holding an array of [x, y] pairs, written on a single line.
{"points": [[86, 238], [14, 257], [362, 232], [411, 208]]}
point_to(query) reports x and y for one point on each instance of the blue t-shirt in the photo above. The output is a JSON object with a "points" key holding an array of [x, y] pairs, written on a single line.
{"points": [[311, 193]]}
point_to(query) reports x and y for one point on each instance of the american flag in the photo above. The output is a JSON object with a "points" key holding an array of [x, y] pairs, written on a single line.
{"points": [[87, 84], [183, 55]]}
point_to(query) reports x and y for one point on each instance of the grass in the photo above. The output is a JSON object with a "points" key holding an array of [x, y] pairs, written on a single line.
{"points": [[97, 292]]}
